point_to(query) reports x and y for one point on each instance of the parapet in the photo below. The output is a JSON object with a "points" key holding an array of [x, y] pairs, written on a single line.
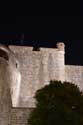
{"points": [[24, 49]]}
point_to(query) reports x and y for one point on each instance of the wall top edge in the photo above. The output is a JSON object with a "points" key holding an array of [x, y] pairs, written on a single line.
{"points": [[18, 48], [74, 66]]}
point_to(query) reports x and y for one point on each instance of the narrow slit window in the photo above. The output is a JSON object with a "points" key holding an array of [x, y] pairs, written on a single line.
{"points": [[16, 65]]}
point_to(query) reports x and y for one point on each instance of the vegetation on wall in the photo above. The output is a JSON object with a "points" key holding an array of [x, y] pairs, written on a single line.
{"points": [[58, 104]]}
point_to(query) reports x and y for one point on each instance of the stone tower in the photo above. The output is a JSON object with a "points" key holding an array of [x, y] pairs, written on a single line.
{"points": [[37, 69]]}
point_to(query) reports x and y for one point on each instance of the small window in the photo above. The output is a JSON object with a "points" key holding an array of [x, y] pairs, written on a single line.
{"points": [[4, 55], [16, 65]]}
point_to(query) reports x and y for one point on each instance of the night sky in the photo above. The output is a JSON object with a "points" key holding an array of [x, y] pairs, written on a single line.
{"points": [[45, 31]]}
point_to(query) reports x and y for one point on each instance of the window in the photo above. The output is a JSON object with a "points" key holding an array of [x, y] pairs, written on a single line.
{"points": [[16, 64]]}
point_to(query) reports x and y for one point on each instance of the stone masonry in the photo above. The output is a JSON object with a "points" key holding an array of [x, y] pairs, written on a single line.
{"points": [[23, 71]]}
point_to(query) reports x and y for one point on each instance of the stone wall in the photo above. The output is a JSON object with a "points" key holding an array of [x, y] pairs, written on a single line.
{"points": [[74, 74], [37, 69], [19, 116], [15, 116]]}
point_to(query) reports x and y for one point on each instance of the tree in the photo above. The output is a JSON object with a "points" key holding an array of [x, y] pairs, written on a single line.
{"points": [[58, 103]]}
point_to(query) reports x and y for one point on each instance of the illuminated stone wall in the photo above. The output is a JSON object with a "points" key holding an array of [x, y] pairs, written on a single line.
{"points": [[37, 69], [74, 74], [19, 116]]}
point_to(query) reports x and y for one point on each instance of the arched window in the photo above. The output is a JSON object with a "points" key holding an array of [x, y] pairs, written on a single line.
{"points": [[3, 54]]}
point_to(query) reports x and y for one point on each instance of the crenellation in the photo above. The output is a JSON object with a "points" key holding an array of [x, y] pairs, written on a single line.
{"points": [[24, 49]]}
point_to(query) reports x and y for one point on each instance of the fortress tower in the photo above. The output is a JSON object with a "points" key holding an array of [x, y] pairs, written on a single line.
{"points": [[37, 69], [24, 70]]}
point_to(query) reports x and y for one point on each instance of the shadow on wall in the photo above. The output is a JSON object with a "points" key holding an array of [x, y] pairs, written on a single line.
{"points": [[4, 55]]}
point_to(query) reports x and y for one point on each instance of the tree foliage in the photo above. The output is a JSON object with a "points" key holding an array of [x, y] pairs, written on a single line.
{"points": [[58, 103]]}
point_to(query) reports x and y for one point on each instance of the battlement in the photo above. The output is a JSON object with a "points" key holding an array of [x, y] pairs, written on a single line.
{"points": [[59, 47]]}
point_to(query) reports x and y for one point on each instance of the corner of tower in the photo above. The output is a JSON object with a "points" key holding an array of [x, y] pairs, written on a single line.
{"points": [[60, 46]]}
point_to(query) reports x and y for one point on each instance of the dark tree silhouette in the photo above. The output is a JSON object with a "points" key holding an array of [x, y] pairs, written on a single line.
{"points": [[58, 104]]}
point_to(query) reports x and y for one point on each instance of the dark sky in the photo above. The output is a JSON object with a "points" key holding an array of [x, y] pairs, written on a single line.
{"points": [[46, 31]]}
